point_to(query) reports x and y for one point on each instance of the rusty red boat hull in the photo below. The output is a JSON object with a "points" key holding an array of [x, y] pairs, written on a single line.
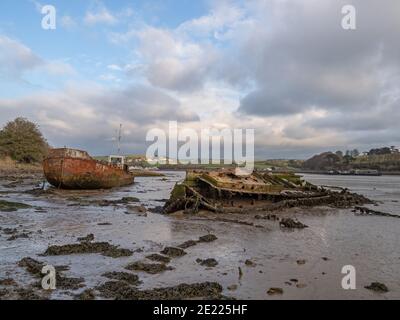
{"points": [[76, 170]]}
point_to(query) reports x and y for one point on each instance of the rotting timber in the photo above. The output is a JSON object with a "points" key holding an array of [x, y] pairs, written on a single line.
{"points": [[225, 192], [75, 169]]}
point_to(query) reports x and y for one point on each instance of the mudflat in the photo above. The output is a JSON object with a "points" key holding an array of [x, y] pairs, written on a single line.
{"points": [[103, 253]]}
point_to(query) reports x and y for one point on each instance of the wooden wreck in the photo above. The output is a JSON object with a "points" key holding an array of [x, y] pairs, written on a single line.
{"points": [[75, 169], [223, 191]]}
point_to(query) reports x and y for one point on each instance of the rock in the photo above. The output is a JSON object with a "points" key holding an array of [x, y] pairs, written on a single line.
{"points": [[136, 210], [151, 268], [66, 283], [207, 262], [275, 291], [6, 206], [104, 224], [88, 238], [103, 248], [129, 199], [8, 282], [9, 231], [122, 291], [188, 244], [377, 287], [301, 262], [18, 236], [34, 267], [159, 258], [173, 252], [250, 263], [105, 203], [157, 209], [208, 238], [130, 278], [88, 294], [291, 224]]}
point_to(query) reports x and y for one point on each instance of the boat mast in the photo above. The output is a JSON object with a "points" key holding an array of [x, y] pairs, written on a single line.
{"points": [[119, 139]]}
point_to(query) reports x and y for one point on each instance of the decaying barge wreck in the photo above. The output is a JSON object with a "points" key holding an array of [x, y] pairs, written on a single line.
{"points": [[75, 169], [225, 192]]}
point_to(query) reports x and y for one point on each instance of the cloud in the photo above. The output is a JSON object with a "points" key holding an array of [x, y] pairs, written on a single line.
{"points": [[86, 115], [16, 58], [99, 15], [68, 22], [59, 68], [285, 68], [114, 67]]}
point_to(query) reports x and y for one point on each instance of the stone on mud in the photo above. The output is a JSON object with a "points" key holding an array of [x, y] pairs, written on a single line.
{"points": [[151, 268], [159, 258], [103, 248], [377, 287], [122, 291], [34, 267], [86, 295], [188, 244], [6, 206], [173, 252], [275, 291], [130, 278], [208, 238], [290, 223], [207, 262]]}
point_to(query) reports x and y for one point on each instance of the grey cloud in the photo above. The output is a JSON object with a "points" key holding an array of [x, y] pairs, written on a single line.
{"points": [[306, 60], [88, 117]]}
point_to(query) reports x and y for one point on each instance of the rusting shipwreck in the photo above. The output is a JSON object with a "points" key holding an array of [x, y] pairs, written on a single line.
{"points": [[225, 192], [75, 169]]}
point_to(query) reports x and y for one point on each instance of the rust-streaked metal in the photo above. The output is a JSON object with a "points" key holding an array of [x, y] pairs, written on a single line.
{"points": [[75, 169]]}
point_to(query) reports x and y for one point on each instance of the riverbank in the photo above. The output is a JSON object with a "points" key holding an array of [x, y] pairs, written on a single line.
{"points": [[324, 172], [10, 168]]}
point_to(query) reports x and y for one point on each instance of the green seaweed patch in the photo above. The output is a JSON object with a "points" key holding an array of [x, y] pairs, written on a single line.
{"points": [[6, 206], [178, 192]]}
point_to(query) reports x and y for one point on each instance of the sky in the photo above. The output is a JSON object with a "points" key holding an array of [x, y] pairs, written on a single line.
{"points": [[285, 68]]}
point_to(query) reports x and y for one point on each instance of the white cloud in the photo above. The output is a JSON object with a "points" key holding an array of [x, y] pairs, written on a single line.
{"points": [[114, 67], [100, 15], [68, 22], [16, 58], [59, 68]]}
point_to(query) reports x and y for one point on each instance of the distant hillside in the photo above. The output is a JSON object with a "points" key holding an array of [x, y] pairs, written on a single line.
{"points": [[387, 162], [334, 161], [323, 161]]}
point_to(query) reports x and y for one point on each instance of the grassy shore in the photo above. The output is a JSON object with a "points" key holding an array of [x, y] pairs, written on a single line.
{"points": [[11, 167]]}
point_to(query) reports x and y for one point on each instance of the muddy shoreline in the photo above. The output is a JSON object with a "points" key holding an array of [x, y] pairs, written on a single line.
{"points": [[101, 252]]}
